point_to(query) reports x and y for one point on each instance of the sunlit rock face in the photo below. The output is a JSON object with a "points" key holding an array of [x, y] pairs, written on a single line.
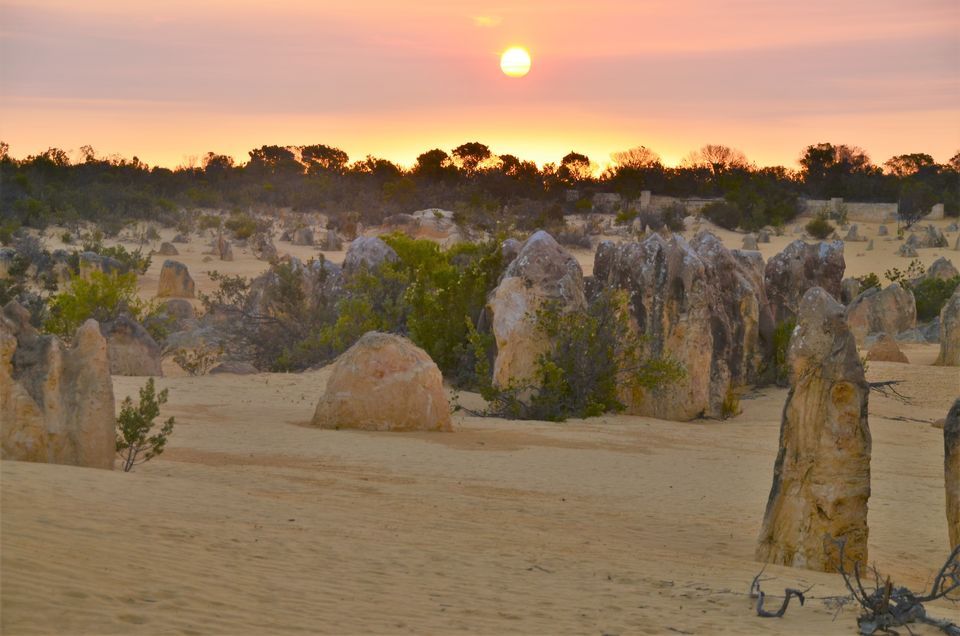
{"points": [[56, 402], [950, 332], [541, 272], [384, 383], [951, 470], [890, 310], [821, 479], [698, 304]]}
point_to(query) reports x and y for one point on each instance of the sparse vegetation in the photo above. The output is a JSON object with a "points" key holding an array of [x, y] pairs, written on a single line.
{"points": [[102, 297], [136, 441], [198, 361], [820, 227]]}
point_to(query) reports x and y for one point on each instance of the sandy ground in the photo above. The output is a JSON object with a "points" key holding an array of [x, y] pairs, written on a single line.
{"points": [[254, 523]]}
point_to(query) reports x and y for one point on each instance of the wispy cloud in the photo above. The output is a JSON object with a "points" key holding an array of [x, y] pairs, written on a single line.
{"points": [[486, 21]]}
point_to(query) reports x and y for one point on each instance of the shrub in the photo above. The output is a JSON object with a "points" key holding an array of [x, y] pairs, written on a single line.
{"points": [[135, 260], [673, 216], [209, 222], [103, 297], [781, 343], [905, 277], [243, 226], [932, 294], [198, 361], [722, 213], [819, 227], [592, 357], [67, 238], [135, 444], [868, 281], [625, 216]]}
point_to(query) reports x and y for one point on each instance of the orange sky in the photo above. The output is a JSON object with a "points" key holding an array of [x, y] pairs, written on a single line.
{"points": [[166, 80]]}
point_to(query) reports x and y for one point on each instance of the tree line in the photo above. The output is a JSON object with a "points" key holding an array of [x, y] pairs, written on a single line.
{"points": [[470, 179]]}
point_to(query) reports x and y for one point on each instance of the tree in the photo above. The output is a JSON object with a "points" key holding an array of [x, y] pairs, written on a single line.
{"points": [[638, 157], [320, 158], [574, 168], [470, 155], [908, 165], [274, 160], [217, 166], [433, 165], [381, 169], [135, 424], [830, 171], [719, 159]]}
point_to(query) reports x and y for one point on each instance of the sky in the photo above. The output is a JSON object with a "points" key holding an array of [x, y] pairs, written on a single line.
{"points": [[169, 80]]}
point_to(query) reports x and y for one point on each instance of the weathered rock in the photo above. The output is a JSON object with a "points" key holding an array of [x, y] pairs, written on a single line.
{"points": [[180, 238], [763, 236], [92, 262], [799, 267], [8, 256], [369, 252], [951, 471], [883, 230], [699, 304], [956, 245], [56, 403], [234, 368], [168, 249], [870, 245], [890, 310], [849, 289], [222, 249], [922, 334], [950, 332], [821, 479], [302, 236], [907, 250], [886, 350], [749, 242], [853, 235], [384, 383], [933, 237], [941, 268], [331, 241], [509, 250], [264, 249], [175, 281], [132, 349], [542, 272], [953, 227]]}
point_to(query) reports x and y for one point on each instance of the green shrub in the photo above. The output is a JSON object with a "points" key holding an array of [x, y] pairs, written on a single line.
{"points": [[868, 281], [625, 216], [135, 444], [67, 238], [135, 260], [819, 227], [722, 213], [198, 361], [932, 294], [103, 297], [208, 222], [593, 356], [243, 226], [673, 216], [905, 277]]}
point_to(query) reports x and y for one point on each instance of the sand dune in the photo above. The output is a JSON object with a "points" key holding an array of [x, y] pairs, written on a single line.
{"points": [[254, 523]]}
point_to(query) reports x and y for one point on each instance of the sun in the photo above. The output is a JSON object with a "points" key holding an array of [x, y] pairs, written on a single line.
{"points": [[515, 62]]}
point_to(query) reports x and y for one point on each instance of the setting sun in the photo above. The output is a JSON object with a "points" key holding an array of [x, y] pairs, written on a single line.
{"points": [[515, 62]]}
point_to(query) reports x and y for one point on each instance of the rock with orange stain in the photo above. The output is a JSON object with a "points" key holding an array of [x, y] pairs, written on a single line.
{"points": [[821, 479]]}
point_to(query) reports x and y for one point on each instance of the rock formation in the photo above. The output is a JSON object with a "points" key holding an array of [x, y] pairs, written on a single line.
{"points": [[950, 332], [175, 281], [885, 349], [168, 249], [542, 272], [331, 241], [56, 402], [133, 351], [799, 267], [907, 251], [369, 252], [222, 249], [699, 304], [384, 383], [749, 242], [942, 269], [302, 236], [951, 471], [821, 479], [92, 262], [890, 310], [849, 289]]}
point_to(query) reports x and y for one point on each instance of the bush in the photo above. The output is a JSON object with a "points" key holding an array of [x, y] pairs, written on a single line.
{"points": [[243, 226], [198, 361], [868, 281], [722, 213], [781, 343], [819, 227], [135, 444], [905, 277], [673, 216], [208, 222], [592, 357], [932, 294], [135, 261], [103, 298]]}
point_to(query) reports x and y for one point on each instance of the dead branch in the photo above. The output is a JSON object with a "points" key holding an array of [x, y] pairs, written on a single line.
{"points": [[886, 606], [886, 389], [789, 593]]}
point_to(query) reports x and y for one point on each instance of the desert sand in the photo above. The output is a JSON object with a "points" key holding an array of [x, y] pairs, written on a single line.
{"points": [[254, 523]]}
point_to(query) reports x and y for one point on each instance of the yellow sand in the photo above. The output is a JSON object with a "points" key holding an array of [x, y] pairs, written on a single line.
{"points": [[254, 523]]}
